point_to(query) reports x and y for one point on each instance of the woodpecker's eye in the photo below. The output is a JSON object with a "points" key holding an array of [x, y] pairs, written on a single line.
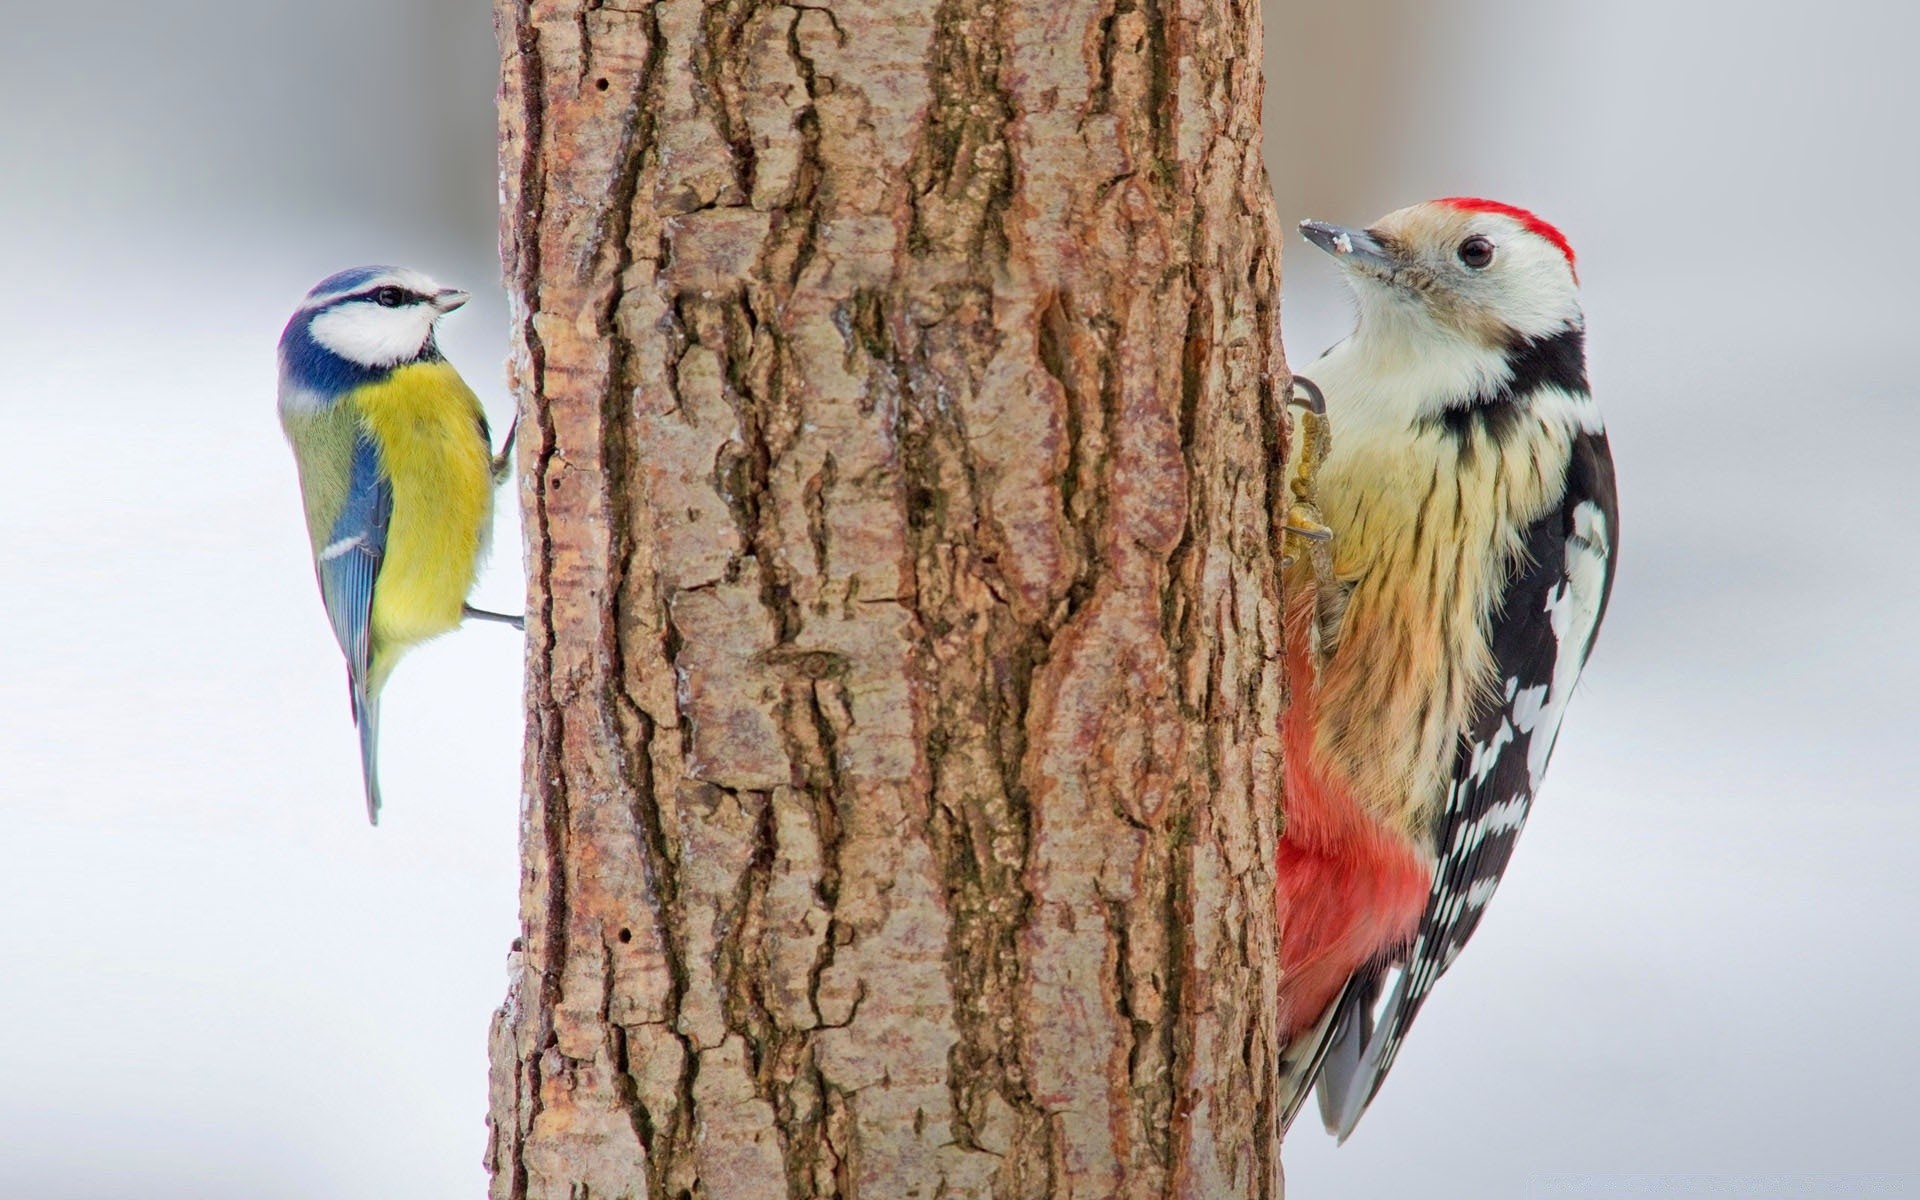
{"points": [[390, 297], [1476, 252]]}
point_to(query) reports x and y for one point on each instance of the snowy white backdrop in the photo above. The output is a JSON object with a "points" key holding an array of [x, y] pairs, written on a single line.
{"points": [[220, 984]]}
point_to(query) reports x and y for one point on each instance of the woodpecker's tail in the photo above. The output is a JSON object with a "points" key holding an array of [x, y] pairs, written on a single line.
{"points": [[1300, 1065], [1343, 1076], [1328, 1053]]}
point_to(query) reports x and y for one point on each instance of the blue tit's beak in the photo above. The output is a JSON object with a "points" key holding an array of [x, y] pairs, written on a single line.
{"points": [[447, 299], [1354, 247]]}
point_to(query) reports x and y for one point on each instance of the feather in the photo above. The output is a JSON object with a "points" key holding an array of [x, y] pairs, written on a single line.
{"points": [[1319, 1052], [348, 565], [1542, 630]]}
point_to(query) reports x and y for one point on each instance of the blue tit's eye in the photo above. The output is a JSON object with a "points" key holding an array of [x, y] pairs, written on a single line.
{"points": [[1476, 252], [389, 297]]}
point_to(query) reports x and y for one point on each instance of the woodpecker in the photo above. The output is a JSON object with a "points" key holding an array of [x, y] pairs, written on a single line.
{"points": [[1434, 641]]}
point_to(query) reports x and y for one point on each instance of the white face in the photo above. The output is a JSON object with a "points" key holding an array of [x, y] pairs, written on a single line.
{"points": [[1481, 275], [383, 321], [1448, 291]]}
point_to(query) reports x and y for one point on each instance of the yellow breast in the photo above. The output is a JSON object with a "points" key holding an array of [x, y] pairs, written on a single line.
{"points": [[1428, 526], [428, 426]]}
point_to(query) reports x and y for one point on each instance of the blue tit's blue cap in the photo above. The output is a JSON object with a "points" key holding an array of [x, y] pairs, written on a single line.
{"points": [[350, 280]]}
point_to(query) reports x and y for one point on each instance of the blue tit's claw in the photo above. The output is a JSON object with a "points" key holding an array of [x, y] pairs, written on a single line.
{"points": [[471, 613], [502, 465]]}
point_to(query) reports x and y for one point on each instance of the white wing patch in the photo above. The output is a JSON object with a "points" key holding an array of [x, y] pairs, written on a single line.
{"points": [[1504, 817], [1574, 608], [335, 549], [1487, 753]]}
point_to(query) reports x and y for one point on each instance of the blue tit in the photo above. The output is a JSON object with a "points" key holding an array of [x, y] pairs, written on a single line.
{"points": [[397, 473]]}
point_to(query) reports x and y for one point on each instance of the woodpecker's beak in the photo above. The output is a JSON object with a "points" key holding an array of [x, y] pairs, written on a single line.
{"points": [[1355, 246], [447, 299]]}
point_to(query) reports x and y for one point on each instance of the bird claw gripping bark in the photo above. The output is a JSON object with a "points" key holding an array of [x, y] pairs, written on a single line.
{"points": [[1311, 439], [501, 465]]}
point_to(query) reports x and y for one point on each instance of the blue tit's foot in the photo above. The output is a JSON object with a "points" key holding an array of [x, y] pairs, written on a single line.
{"points": [[469, 612]]}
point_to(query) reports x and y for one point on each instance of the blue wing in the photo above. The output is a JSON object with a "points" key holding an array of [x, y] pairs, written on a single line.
{"points": [[348, 565], [1542, 631]]}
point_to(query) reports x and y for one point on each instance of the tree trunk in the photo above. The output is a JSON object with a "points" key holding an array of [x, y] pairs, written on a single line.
{"points": [[901, 384]]}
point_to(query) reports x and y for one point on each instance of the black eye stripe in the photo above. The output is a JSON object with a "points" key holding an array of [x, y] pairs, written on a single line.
{"points": [[390, 296]]}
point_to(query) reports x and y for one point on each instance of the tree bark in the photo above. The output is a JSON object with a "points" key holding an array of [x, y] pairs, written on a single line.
{"points": [[901, 386]]}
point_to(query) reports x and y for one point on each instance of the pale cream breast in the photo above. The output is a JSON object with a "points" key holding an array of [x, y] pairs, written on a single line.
{"points": [[1428, 524]]}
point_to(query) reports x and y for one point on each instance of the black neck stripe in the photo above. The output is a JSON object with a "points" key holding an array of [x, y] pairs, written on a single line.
{"points": [[1557, 360]]}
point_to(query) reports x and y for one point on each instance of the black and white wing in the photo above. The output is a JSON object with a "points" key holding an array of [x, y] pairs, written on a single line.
{"points": [[1542, 631]]}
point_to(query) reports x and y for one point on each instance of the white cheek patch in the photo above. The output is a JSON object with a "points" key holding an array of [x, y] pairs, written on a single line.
{"points": [[373, 336], [1532, 287]]}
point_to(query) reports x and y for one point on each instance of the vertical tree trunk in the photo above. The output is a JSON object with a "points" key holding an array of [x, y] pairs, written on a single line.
{"points": [[902, 385]]}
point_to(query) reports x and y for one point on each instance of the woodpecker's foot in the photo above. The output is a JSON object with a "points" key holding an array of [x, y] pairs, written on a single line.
{"points": [[480, 614], [502, 465], [1312, 438], [1310, 443], [1302, 524]]}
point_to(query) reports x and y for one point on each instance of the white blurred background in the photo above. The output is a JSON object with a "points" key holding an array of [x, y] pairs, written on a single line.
{"points": [[1694, 982]]}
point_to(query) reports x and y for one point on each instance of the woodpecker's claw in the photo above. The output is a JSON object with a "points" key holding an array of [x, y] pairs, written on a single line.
{"points": [[1303, 522], [1315, 401]]}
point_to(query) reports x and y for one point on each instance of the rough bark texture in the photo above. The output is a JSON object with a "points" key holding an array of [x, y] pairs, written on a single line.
{"points": [[901, 382]]}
